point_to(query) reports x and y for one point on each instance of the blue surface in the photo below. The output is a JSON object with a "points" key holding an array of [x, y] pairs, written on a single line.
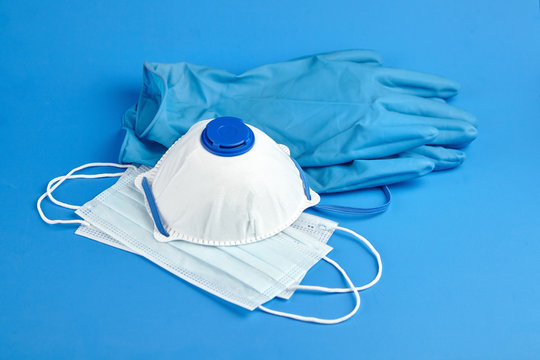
{"points": [[461, 248]]}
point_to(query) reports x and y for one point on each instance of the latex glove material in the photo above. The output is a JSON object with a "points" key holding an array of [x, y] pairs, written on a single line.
{"points": [[360, 174], [330, 109], [405, 166], [315, 105]]}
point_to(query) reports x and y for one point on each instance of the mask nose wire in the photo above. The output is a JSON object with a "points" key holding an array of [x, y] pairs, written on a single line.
{"points": [[56, 182], [153, 207]]}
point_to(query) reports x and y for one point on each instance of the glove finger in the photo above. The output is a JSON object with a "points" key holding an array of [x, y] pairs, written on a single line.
{"points": [[437, 99], [417, 83], [433, 107], [360, 174], [358, 56], [443, 158], [364, 142], [451, 132]]}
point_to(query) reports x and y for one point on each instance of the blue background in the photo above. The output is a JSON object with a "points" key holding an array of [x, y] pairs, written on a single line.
{"points": [[461, 248]]}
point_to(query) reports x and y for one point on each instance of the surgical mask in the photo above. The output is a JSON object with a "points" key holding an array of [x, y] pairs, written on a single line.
{"points": [[117, 217], [239, 274], [305, 227]]}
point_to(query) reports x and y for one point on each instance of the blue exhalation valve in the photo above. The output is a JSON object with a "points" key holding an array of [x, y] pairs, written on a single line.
{"points": [[227, 136]]}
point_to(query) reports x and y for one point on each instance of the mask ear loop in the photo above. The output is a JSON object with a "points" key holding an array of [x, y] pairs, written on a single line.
{"points": [[351, 288], [315, 319], [56, 182], [358, 288]]}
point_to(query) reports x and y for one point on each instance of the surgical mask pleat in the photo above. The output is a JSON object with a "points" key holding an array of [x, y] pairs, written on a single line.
{"points": [[272, 252], [278, 248], [252, 274], [210, 255], [131, 192], [131, 202], [306, 240], [240, 253], [320, 228], [311, 243], [93, 233], [108, 220], [245, 273]]}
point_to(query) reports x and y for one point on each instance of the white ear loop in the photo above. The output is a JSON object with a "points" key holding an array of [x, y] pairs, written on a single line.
{"points": [[351, 287], [57, 181], [359, 288], [315, 319]]}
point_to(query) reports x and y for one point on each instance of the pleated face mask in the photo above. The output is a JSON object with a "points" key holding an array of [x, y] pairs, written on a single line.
{"points": [[248, 274], [224, 183]]}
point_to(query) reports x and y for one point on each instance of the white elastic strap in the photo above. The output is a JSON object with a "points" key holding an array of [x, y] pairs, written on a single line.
{"points": [[315, 319], [359, 288], [54, 183]]}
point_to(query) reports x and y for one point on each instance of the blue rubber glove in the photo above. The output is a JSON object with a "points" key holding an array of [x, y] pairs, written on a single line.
{"points": [[348, 121], [360, 174]]}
